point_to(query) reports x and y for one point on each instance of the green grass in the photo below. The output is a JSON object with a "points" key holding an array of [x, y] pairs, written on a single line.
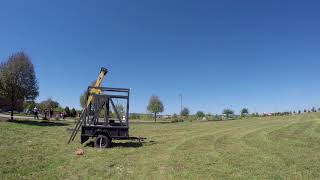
{"points": [[255, 148]]}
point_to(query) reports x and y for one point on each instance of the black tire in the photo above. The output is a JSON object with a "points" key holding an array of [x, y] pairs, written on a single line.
{"points": [[102, 141]]}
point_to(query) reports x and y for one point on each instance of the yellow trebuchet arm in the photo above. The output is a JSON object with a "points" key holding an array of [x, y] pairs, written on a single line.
{"points": [[102, 74]]}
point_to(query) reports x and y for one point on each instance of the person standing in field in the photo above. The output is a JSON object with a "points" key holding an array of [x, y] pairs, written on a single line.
{"points": [[50, 113], [35, 112], [45, 114]]}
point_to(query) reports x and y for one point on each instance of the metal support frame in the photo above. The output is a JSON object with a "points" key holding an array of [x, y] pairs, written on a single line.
{"points": [[102, 100]]}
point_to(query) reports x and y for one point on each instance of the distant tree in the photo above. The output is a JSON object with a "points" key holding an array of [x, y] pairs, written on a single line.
{"points": [[313, 109], [120, 110], [83, 99], [174, 115], [200, 114], [49, 103], [299, 112], [185, 112], [28, 105], [257, 114], [209, 116], [58, 109], [67, 111], [305, 110], [228, 112], [155, 106], [83, 96], [18, 80], [134, 116], [73, 113], [244, 112]]}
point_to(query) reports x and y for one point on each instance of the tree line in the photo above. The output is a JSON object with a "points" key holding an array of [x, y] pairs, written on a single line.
{"points": [[155, 106], [19, 85]]}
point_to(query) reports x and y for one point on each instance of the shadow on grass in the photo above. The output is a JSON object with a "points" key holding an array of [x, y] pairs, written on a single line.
{"points": [[38, 123], [150, 122], [128, 144], [125, 144]]}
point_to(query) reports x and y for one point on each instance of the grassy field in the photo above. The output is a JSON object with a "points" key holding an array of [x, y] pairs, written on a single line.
{"points": [[256, 148]]}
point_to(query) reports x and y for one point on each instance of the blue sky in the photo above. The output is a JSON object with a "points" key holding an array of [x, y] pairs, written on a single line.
{"points": [[264, 55]]}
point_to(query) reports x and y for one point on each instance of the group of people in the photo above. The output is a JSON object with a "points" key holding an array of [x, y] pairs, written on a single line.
{"points": [[48, 113]]}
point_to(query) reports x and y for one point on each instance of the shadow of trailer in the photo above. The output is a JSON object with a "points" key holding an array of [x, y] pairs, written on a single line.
{"points": [[105, 120]]}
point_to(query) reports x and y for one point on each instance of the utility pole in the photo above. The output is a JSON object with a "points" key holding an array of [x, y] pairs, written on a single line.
{"points": [[181, 102]]}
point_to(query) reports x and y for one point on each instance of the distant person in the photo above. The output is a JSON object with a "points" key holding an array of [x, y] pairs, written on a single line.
{"points": [[36, 112], [45, 114], [50, 113], [61, 115]]}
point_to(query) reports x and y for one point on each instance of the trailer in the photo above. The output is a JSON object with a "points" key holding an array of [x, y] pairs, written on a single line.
{"points": [[102, 118]]}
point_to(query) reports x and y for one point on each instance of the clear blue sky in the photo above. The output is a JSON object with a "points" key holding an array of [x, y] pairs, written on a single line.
{"points": [[264, 55]]}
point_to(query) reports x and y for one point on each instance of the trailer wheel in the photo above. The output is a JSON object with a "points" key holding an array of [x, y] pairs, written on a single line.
{"points": [[102, 141]]}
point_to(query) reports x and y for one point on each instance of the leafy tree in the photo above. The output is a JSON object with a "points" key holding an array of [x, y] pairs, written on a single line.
{"points": [[73, 113], [305, 110], [134, 116], [18, 79], [155, 106], [28, 105], [200, 114], [228, 112], [244, 112], [58, 109], [174, 115], [83, 96], [49, 103], [299, 112], [185, 112], [120, 110], [313, 109], [67, 111], [83, 99]]}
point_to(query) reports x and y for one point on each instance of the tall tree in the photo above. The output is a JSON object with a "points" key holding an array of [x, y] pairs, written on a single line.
{"points": [[200, 114], [228, 112], [18, 80], [67, 111], [244, 112], [155, 106], [73, 113], [185, 112]]}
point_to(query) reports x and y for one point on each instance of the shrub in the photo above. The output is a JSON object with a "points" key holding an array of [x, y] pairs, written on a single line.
{"points": [[177, 120]]}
